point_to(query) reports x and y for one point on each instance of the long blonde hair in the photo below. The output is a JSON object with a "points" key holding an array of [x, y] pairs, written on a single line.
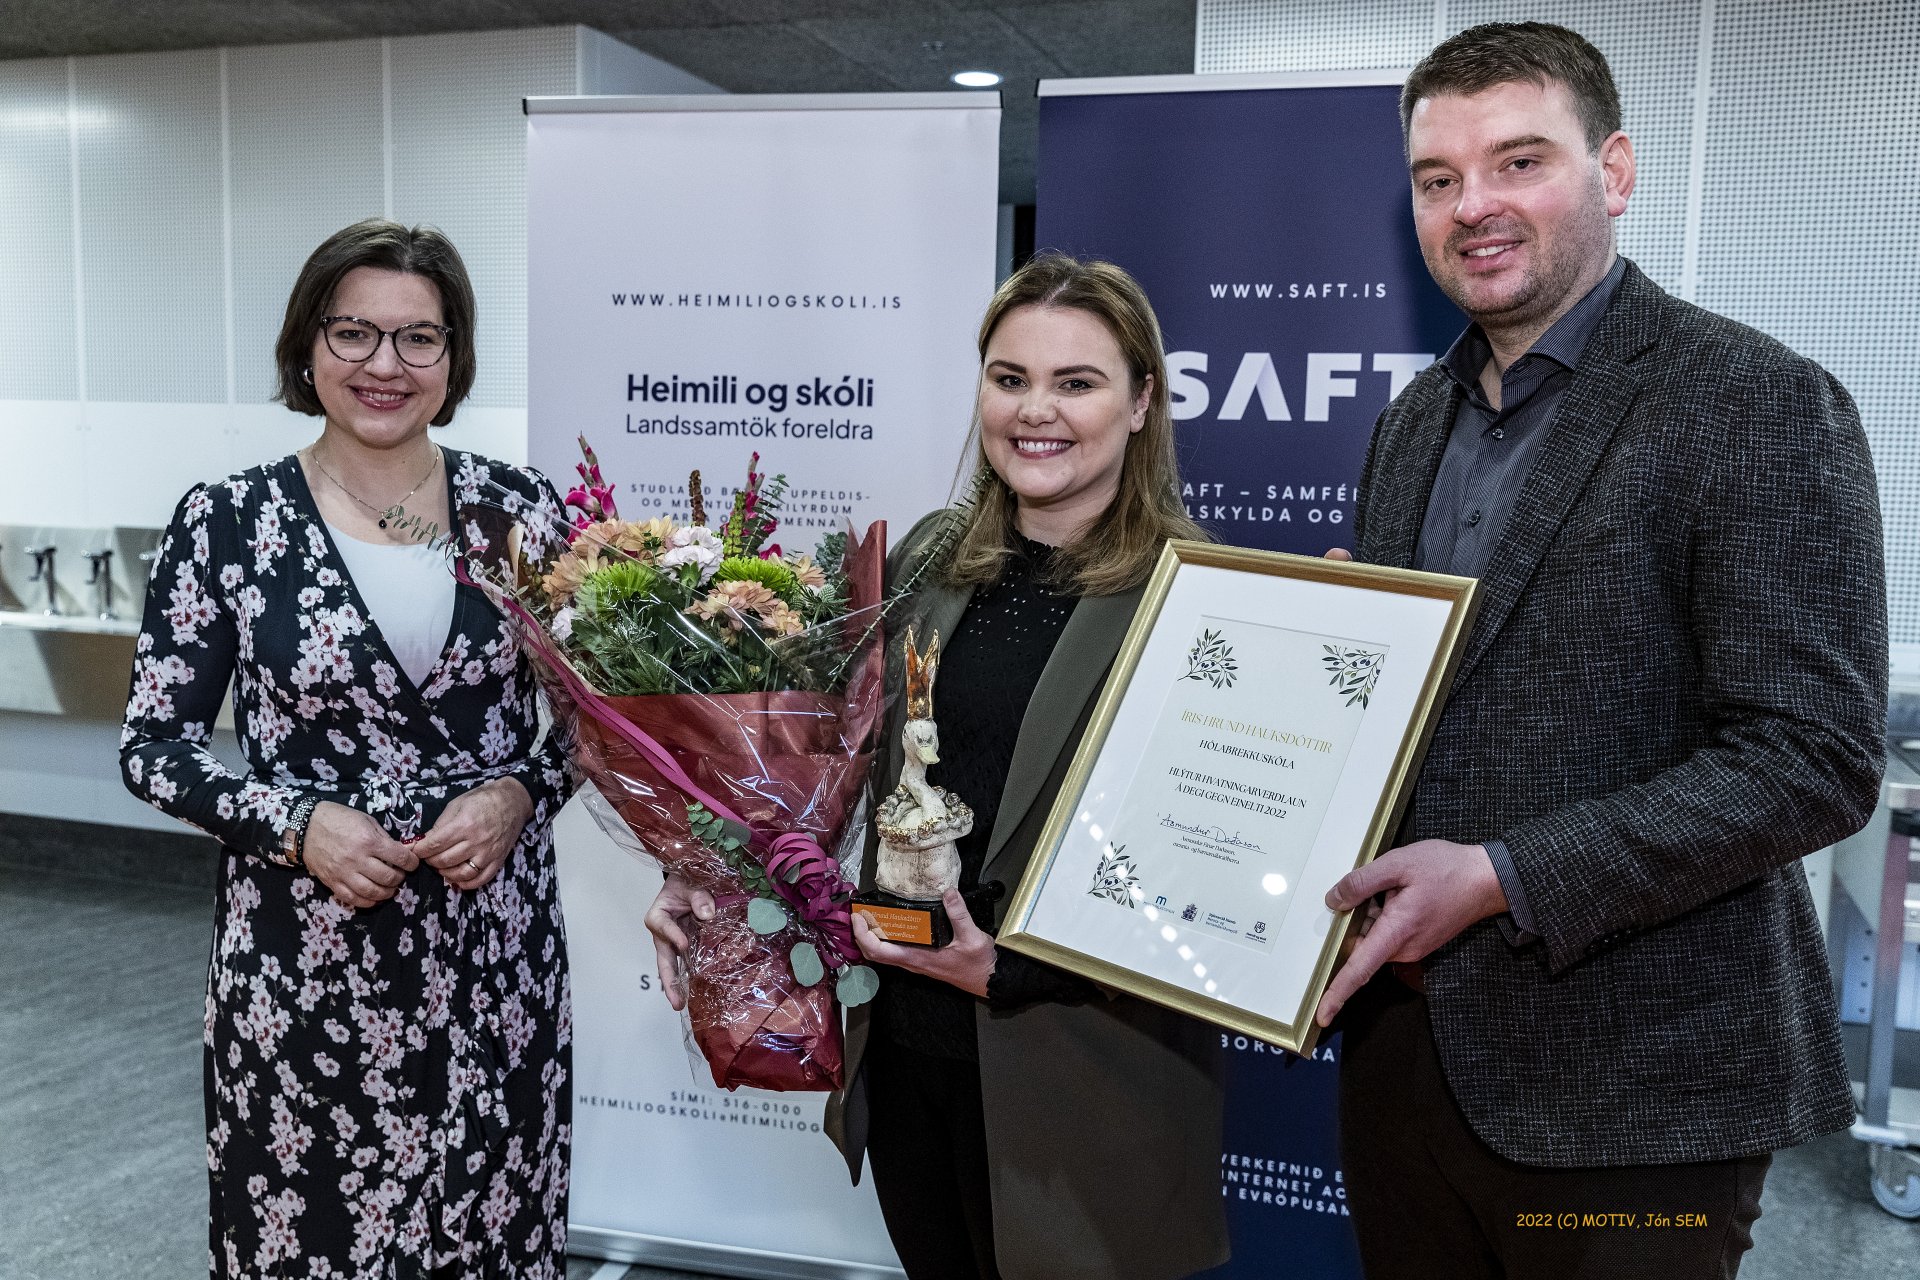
{"points": [[1118, 550]]}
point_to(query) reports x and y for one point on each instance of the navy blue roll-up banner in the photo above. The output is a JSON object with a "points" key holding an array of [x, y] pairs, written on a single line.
{"points": [[1272, 229]]}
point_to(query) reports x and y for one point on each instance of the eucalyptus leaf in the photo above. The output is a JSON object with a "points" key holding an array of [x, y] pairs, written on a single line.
{"points": [[857, 985], [765, 916], [807, 968]]}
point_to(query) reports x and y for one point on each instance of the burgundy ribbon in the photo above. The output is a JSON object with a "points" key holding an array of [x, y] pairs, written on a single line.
{"points": [[808, 878], [816, 889]]}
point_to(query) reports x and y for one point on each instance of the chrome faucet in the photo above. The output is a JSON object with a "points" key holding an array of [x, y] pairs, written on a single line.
{"points": [[101, 577], [43, 571]]}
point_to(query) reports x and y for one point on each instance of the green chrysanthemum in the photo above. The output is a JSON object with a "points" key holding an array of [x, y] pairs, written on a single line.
{"points": [[613, 585], [771, 574]]}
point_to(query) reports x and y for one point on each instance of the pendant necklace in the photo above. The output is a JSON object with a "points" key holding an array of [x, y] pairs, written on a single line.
{"points": [[378, 513]]}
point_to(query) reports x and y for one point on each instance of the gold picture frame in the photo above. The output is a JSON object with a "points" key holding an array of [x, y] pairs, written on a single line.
{"points": [[1201, 601]]}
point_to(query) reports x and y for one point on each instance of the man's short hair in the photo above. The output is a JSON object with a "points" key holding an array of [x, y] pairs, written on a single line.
{"points": [[1497, 53]]}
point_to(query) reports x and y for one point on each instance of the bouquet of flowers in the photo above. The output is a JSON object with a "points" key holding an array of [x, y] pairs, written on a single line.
{"points": [[724, 698]]}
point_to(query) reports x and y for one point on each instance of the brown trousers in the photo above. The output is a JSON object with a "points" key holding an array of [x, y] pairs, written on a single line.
{"points": [[1429, 1199]]}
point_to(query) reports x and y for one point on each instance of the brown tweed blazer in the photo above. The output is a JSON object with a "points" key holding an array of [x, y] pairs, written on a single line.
{"points": [[1675, 689]]}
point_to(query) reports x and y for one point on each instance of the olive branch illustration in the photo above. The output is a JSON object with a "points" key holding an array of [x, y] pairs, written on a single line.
{"points": [[1354, 672], [1211, 659], [1116, 877]]}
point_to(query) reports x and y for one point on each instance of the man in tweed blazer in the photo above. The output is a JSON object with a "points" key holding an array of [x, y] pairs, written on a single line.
{"points": [[1595, 984]]}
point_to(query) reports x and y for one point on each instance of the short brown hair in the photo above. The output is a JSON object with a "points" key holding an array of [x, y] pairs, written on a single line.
{"points": [[1497, 53], [1118, 551], [387, 246]]}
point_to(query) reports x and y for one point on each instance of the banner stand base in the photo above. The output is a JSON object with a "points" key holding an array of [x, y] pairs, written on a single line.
{"points": [[717, 1259]]}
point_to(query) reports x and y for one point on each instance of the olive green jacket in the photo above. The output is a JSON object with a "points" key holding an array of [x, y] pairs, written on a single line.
{"points": [[1103, 1119]]}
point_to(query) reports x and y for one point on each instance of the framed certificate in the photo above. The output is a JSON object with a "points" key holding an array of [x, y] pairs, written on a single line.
{"points": [[1257, 740]]}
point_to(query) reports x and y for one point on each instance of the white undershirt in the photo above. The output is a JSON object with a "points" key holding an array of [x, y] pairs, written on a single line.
{"points": [[408, 587]]}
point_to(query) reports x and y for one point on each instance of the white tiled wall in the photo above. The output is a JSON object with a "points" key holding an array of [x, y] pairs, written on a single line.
{"points": [[155, 209], [150, 212], [38, 357]]}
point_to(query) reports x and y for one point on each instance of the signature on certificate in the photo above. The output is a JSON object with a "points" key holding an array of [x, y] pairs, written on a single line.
{"points": [[1208, 831]]}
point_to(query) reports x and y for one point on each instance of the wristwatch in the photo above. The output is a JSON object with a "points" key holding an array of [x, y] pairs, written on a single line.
{"points": [[294, 837]]}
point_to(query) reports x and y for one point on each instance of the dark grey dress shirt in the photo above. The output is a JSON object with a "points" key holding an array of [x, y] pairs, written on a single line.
{"points": [[1489, 454]]}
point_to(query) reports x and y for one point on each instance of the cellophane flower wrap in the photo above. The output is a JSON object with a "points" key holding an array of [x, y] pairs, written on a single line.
{"points": [[724, 699]]}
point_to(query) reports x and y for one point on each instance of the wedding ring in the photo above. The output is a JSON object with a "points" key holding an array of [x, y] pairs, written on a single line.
{"points": [[471, 865]]}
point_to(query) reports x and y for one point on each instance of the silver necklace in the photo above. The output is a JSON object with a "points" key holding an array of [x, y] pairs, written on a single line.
{"points": [[379, 513]]}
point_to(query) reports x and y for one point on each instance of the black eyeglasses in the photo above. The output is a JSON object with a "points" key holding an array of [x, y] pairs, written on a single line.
{"points": [[354, 340]]}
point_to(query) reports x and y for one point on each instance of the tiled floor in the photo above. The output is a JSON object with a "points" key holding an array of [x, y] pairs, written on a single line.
{"points": [[101, 1138]]}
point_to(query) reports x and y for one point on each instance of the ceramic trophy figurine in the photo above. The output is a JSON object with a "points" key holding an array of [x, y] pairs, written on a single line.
{"points": [[918, 824]]}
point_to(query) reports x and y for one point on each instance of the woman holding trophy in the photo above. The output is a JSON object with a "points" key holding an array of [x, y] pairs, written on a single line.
{"points": [[1020, 1121]]}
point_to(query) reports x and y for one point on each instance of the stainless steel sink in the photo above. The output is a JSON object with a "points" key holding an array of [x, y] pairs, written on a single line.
{"points": [[83, 623]]}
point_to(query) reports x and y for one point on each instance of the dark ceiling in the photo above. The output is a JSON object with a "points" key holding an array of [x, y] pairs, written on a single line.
{"points": [[746, 46]]}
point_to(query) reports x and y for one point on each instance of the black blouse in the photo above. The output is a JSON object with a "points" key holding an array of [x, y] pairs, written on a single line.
{"points": [[988, 670]]}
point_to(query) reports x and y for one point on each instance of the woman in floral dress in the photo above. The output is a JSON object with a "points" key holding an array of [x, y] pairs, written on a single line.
{"points": [[387, 1026]]}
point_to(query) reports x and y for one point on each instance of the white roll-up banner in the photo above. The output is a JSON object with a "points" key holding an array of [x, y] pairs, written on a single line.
{"points": [[708, 278]]}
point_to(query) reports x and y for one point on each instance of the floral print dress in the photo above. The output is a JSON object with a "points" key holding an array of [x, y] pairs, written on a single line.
{"points": [[386, 1089]]}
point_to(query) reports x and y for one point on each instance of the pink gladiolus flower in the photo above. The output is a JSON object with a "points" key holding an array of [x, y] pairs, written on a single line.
{"points": [[597, 492]]}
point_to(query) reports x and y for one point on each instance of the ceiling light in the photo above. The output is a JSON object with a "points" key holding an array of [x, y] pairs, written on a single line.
{"points": [[976, 79]]}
